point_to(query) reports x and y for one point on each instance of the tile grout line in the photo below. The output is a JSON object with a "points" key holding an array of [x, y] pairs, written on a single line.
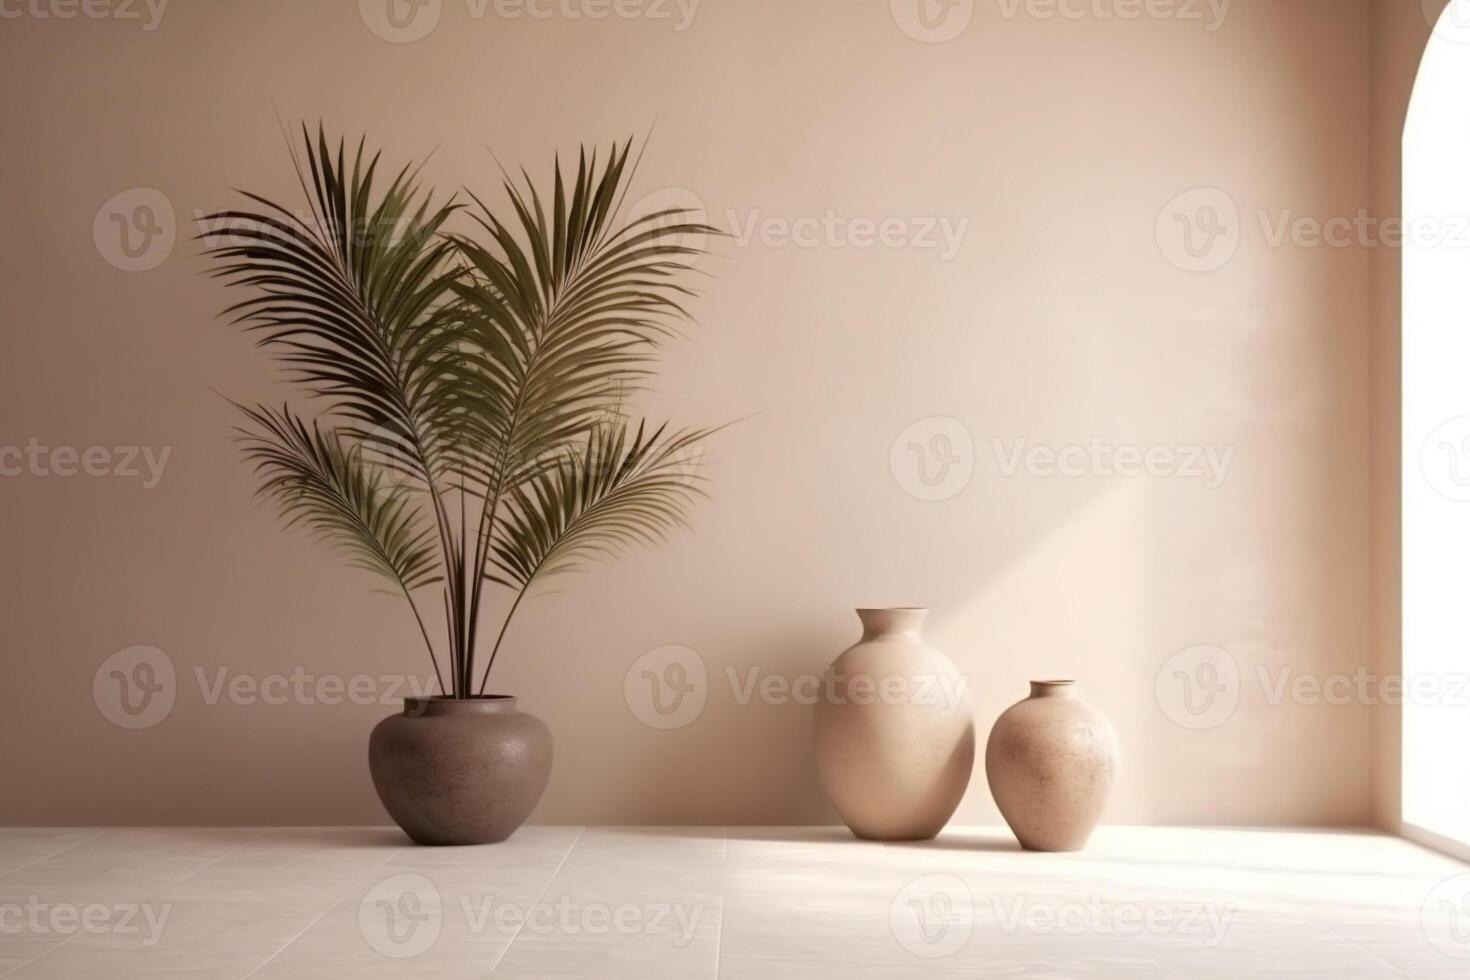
{"points": [[312, 924], [287, 945], [1374, 955], [719, 937], [224, 857], [1163, 970], [720, 915], [46, 857], [50, 949], [540, 898]]}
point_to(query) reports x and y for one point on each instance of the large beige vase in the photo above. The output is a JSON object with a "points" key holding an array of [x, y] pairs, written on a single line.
{"points": [[1050, 761], [894, 731]]}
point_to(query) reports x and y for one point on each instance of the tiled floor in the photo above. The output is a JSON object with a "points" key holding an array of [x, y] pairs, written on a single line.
{"points": [[806, 904]]}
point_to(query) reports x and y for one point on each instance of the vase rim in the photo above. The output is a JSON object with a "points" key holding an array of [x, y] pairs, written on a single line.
{"points": [[441, 704], [893, 621], [449, 697]]}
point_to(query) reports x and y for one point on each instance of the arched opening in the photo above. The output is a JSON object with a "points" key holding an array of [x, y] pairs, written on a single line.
{"points": [[1436, 436]]}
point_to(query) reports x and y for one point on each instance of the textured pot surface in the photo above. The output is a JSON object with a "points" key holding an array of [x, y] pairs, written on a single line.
{"points": [[894, 731], [460, 772], [1051, 761]]}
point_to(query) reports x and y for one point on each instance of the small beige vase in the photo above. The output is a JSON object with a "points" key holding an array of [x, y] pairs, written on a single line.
{"points": [[1050, 762], [894, 731]]}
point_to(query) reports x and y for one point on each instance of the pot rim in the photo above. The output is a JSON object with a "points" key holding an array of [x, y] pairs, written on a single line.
{"points": [[448, 697], [443, 704]]}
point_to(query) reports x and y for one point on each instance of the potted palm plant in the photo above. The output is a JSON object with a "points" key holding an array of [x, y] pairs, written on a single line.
{"points": [[468, 432]]}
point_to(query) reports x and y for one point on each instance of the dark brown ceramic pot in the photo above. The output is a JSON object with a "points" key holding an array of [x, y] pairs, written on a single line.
{"points": [[460, 772]]}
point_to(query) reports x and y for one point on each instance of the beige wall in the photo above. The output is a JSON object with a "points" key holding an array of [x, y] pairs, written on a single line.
{"points": [[1060, 319]]}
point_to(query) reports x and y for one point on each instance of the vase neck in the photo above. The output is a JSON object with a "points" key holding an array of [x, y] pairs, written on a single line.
{"points": [[892, 622], [490, 704], [1053, 689]]}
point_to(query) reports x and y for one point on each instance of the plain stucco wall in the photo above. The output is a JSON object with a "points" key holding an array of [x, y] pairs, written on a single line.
{"points": [[1060, 319]]}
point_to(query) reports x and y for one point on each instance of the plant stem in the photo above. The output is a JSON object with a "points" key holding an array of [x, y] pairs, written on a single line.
{"points": [[477, 586], [499, 639], [438, 676]]}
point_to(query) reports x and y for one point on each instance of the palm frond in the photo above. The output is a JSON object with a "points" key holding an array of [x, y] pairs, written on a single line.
{"points": [[354, 298], [567, 309], [471, 428], [324, 485], [621, 489]]}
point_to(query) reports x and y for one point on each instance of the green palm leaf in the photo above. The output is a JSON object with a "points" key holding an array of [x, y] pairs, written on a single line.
{"points": [[324, 485], [619, 490], [354, 299], [567, 311], [466, 385]]}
